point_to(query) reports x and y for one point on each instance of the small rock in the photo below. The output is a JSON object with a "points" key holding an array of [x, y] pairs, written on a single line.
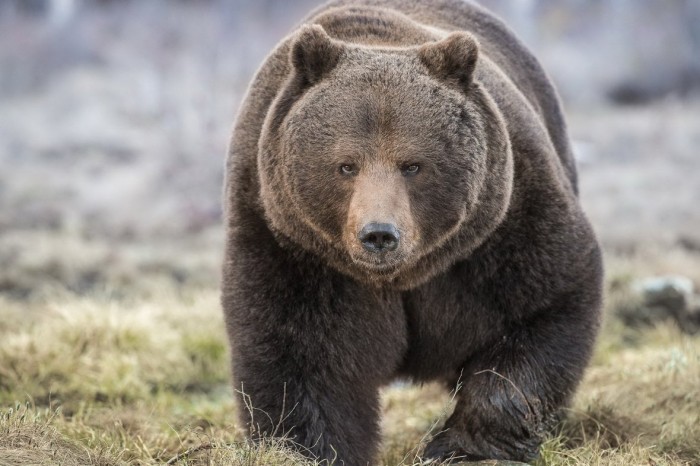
{"points": [[658, 287], [670, 293], [665, 297]]}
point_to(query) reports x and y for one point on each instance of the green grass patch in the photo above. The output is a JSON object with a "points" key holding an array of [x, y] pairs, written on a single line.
{"points": [[96, 380]]}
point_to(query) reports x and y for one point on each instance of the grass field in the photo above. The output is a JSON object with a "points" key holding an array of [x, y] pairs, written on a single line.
{"points": [[114, 122], [109, 377]]}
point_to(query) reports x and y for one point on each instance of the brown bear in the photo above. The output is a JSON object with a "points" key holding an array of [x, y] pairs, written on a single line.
{"points": [[401, 202]]}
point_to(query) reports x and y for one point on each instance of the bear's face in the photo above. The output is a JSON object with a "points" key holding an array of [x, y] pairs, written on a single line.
{"points": [[378, 156]]}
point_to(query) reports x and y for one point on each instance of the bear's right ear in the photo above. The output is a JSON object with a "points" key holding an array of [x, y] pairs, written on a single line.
{"points": [[314, 53]]}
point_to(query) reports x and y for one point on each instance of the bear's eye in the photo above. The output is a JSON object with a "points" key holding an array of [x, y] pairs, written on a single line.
{"points": [[411, 169], [348, 169]]}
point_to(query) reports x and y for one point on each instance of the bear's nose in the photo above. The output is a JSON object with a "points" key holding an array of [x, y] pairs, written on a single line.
{"points": [[379, 237]]}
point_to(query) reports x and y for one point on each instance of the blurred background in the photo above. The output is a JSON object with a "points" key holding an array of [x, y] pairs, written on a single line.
{"points": [[115, 116]]}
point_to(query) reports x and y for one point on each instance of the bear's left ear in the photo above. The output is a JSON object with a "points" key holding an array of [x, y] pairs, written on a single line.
{"points": [[314, 53], [451, 59]]}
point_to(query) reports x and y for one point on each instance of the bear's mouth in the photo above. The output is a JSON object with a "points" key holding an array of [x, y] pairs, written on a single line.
{"points": [[378, 265]]}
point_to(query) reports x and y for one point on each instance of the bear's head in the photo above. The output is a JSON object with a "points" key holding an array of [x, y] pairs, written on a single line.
{"points": [[389, 163]]}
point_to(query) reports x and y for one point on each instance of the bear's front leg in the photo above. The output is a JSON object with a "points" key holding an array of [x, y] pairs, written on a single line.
{"points": [[324, 416], [310, 349], [512, 391]]}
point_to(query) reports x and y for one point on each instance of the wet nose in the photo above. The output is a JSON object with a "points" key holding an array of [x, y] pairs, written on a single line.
{"points": [[379, 237]]}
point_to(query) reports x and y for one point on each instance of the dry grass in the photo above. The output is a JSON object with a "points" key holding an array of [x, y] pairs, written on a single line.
{"points": [[28, 436], [103, 379], [641, 406], [38, 262]]}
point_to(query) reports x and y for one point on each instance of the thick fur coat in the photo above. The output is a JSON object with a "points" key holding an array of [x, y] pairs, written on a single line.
{"points": [[401, 202]]}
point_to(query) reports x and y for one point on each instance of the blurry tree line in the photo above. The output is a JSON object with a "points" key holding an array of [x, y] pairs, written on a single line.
{"points": [[626, 51], [631, 50]]}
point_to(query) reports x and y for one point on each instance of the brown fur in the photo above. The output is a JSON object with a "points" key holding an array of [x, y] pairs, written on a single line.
{"points": [[496, 276]]}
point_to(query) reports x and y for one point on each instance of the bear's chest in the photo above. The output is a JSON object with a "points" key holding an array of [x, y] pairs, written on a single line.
{"points": [[447, 321]]}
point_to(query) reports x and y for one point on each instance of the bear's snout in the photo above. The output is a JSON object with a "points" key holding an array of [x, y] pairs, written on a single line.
{"points": [[380, 233], [379, 237]]}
